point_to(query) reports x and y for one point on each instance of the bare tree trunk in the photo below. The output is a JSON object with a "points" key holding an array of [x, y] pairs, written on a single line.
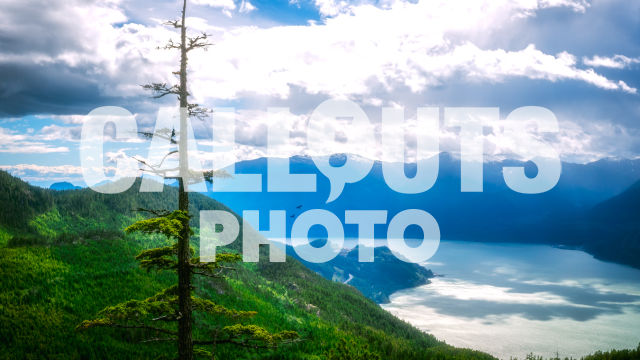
{"points": [[185, 344]]}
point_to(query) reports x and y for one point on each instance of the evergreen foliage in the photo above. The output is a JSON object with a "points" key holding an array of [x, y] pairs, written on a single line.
{"points": [[159, 314], [48, 288]]}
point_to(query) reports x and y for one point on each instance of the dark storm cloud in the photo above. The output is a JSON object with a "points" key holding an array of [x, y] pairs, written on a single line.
{"points": [[34, 35], [55, 89], [49, 27]]}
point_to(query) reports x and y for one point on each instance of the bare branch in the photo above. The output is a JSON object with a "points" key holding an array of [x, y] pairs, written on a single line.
{"points": [[165, 157], [159, 339], [199, 112], [161, 172], [146, 134], [162, 133], [244, 343], [166, 318], [162, 89], [153, 168], [170, 45], [202, 265], [211, 275], [175, 23], [143, 326], [158, 213], [199, 41], [211, 174]]}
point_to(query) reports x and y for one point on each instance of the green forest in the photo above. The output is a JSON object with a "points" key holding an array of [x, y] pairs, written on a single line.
{"points": [[64, 257]]}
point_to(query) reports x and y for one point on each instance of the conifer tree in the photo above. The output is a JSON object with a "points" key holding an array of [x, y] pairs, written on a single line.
{"points": [[168, 315], [159, 314]]}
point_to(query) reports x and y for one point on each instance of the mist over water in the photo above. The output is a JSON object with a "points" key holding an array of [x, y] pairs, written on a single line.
{"points": [[513, 299]]}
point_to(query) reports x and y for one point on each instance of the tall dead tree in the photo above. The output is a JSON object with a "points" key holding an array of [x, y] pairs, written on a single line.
{"points": [[159, 313], [186, 45]]}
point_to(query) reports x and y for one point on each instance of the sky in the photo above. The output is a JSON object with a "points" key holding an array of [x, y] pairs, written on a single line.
{"points": [[60, 59]]}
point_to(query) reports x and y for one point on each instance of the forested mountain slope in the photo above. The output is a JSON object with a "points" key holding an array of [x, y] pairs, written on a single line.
{"points": [[610, 230], [64, 257]]}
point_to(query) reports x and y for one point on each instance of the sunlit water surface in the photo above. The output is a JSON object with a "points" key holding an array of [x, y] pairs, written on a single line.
{"points": [[513, 299]]}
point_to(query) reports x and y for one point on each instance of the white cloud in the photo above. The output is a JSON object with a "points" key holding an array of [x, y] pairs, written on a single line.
{"points": [[331, 7], [246, 7], [58, 133], [614, 62], [25, 169], [32, 148], [16, 143], [404, 44], [223, 4], [577, 5], [67, 119], [529, 62], [398, 43], [34, 173], [579, 140], [358, 51], [227, 6]]}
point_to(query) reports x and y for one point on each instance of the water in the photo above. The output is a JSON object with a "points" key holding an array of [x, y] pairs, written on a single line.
{"points": [[513, 299]]}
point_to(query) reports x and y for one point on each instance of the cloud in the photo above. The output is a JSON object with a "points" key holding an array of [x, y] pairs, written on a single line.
{"points": [[59, 133], [227, 6], [614, 62], [579, 140], [27, 26], [529, 62], [30, 169], [67, 119], [14, 142], [577, 5], [223, 4], [361, 47], [44, 175], [331, 7], [246, 7], [32, 148], [77, 55], [401, 45]]}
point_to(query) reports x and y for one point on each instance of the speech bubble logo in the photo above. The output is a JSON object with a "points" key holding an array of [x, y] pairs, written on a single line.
{"points": [[397, 242], [340, 127]]}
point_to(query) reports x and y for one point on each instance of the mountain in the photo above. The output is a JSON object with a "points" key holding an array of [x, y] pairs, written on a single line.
{"points": [[610, 230], [20, 202], [376, 280], [588, 208], [60, 186], [496, 214], [68, 258]]}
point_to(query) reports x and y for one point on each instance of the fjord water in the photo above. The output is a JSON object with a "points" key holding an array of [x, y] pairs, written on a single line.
{"points": [[513, 299]]}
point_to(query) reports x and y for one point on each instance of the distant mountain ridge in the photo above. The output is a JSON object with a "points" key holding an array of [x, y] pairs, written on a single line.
{"points": [[64, 185], [498, 213]]}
